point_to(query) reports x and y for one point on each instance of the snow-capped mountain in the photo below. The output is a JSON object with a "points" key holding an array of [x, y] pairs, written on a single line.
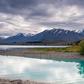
{"points": [[59, 35], [53, 35], [82, 32]]}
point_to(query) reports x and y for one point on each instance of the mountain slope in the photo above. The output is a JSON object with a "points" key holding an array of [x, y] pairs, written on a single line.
{"points": [[19, 38], [1, 40], [53, 35], [59, 35]]}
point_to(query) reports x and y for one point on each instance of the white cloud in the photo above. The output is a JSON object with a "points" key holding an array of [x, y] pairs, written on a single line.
{"points": [[64, 14], [13, 24]]}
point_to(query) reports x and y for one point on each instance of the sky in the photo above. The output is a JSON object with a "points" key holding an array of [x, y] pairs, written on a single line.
{"points": [[33, 16]]}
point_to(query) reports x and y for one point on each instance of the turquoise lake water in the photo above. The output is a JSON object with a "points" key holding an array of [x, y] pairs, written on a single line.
{"points": [[52, 71]]}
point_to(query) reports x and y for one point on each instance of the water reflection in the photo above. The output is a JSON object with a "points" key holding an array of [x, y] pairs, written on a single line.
{"points": [[71, 71], [81, 68]]}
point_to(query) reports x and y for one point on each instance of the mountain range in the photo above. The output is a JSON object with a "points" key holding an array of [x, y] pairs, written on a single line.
{"points": [[53, 36]]}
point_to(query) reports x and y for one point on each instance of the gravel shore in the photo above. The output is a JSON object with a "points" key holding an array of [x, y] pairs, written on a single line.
{"points": [[7, 81], [41, 54]]}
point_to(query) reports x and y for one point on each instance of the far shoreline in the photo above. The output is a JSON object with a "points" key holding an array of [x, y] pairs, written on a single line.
{"points": [[37, 53]]}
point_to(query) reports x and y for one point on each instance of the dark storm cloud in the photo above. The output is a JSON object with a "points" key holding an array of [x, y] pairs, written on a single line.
{"points": [[75, 2], [33, 6], [29, 8], [22, 3], [14, 6]]}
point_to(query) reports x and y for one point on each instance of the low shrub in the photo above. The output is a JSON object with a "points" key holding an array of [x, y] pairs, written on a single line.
{"points": [[82, 47]]}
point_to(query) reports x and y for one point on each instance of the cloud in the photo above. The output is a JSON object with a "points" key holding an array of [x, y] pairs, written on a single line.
{"points": [[29, 15], [63, 25], [13, 24]]}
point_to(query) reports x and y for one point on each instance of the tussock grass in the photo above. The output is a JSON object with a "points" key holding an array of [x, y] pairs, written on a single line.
{"points": [[72, 48]]}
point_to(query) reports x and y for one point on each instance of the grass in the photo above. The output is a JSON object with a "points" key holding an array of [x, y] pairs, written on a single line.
{"points": [[72, 48]]}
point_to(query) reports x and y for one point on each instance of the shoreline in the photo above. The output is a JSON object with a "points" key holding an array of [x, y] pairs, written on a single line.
{"points": [[41, 54], [19, 81]]}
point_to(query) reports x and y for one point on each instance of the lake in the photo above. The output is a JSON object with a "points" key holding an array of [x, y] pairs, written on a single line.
{"points": [[29, 46], [52, 71]]}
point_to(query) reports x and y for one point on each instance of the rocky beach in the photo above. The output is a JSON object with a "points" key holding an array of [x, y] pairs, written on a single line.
{"points": [[41, 54], [7, 81]]}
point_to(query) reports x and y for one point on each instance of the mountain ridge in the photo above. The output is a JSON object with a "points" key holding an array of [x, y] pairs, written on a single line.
{"points": [[53, 35]]}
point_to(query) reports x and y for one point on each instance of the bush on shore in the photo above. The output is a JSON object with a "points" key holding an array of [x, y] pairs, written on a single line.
{"points": [[82, 47]]}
